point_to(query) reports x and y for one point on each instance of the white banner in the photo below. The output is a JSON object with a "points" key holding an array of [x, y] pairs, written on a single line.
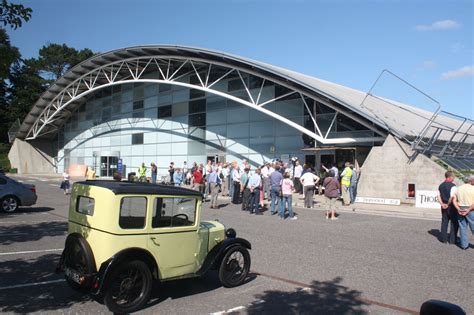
{"points": [[380, 201], [427, 199]]}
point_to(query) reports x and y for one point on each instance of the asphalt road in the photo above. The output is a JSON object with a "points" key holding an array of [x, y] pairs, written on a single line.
{"points": [[356, 265]]}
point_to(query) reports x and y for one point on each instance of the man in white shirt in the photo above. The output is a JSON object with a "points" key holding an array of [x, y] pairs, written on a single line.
{"points": [[297, 176], [236, 180]]}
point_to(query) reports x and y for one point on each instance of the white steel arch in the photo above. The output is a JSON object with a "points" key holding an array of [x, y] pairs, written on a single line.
{"points": [[170, 70]]}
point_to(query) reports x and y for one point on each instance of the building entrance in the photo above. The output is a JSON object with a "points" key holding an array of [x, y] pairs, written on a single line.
{"points": [[106, 163]]}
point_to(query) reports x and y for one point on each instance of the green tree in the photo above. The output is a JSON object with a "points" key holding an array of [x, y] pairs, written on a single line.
{"points": [[13, 14], [55, 59], [9, 56]]}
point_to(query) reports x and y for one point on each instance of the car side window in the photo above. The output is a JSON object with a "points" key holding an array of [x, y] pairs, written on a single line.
{"points": [[85, 205], [174, 212], [132, 212]]}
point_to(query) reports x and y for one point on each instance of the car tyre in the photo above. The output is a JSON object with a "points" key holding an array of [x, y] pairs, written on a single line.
{"points": [[78, 256], [9, 204], [234, 267], [128, 287]]}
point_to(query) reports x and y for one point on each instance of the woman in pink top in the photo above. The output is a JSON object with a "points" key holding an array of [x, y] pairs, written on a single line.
{"points": [[287, 196]]}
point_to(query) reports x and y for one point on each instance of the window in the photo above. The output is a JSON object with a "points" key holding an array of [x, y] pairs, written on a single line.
{"points": [[132, 212], [137, 138], [165, 87], [137, 105], [173, 212], [235, 85], [85, 205], [193, 93], [197, 120], [138, 114], [197, 106], [164, 111]]}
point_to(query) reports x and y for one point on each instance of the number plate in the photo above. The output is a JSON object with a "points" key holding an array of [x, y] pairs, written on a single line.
{"points": [[73, 275]]}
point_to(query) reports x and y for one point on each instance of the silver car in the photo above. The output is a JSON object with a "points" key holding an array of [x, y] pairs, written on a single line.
{"points": [[14, 194]]}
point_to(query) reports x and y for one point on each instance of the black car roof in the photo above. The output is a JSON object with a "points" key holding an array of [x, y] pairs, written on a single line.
{"points": [[121, 188]]}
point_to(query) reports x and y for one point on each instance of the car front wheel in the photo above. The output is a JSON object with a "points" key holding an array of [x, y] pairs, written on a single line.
{"points": [[235, 267], [9, 204], [129, 287]]}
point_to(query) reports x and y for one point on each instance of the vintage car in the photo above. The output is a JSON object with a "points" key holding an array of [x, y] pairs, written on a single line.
{"points": [[124, 235]]}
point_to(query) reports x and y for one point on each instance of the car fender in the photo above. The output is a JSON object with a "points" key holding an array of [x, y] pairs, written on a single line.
{"points": [[133, 253], [215, 256]]}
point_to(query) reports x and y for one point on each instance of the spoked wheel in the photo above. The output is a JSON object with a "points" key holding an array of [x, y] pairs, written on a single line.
{"points": [[129, 287], [234, 267], [9, 204]]}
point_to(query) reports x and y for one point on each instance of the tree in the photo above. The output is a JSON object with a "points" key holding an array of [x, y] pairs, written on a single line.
{"points": [[55, 59], [13, 14]]}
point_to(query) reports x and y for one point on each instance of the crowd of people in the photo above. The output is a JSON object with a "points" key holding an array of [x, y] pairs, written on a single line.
{"points": [[270, 185], [457, 205]]}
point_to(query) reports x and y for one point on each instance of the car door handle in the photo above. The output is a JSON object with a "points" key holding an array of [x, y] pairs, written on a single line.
{"points": [[154, 241]]}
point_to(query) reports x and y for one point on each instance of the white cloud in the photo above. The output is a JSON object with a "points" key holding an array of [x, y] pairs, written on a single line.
{"points": [[439, 26], [462, 72]]}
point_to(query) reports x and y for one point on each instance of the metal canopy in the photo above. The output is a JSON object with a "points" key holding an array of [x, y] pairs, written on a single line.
{"points": [[131, 64]]}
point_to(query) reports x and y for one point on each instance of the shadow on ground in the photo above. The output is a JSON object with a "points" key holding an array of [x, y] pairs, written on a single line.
{"points": [[20, 233], [41, 298], [435, 232], [322, 297], [182, 288], [22, 210]]}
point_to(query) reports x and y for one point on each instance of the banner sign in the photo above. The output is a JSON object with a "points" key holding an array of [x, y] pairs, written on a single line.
{"points": [[427, 199], [380, 201], [120, 166]]}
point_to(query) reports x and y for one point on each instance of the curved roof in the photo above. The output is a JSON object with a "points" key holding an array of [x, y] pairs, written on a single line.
{"points": [[384, 114]]}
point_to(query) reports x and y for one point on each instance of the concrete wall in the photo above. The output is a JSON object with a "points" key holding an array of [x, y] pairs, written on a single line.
{"points": [[388, 170], [32, 157]]}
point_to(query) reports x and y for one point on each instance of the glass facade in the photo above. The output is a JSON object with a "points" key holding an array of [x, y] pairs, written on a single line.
{"points": [[161, 123]]}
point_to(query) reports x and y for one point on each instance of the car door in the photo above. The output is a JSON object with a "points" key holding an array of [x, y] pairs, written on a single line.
{"points": [[173, 235]]}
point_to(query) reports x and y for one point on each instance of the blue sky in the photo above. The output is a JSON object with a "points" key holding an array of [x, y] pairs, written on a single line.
{"points": [[427, 43]]}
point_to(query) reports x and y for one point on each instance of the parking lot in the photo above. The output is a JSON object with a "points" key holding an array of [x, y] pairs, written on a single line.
{"points": [[358, 264]]}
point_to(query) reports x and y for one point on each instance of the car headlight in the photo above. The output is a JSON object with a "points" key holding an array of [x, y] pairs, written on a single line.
{"points": [[230, 233]]}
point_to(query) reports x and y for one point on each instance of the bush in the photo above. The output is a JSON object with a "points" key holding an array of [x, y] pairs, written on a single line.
{"points": [[4, 161]]}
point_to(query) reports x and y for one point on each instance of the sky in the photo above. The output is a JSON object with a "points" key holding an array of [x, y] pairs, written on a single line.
{"points": [[427, 43]]}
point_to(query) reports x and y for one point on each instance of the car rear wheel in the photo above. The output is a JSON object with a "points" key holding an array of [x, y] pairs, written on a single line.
{"points": [[78, 262], [10, 204], [129, 287], [234, 267]]}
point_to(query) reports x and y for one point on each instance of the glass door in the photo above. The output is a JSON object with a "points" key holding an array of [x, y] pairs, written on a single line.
{"points": [[108, 165]]}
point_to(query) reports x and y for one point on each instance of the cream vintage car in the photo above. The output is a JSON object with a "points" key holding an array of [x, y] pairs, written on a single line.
{"points": [[123, 235]]}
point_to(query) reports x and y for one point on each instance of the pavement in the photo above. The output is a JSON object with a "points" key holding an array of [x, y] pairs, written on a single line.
{"points": [[359, 264]]}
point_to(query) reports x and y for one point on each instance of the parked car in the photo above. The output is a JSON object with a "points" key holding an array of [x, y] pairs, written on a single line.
{"points": [[14, 194], [124, 235]]}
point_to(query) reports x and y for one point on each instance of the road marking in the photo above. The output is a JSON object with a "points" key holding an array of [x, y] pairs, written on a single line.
{"points": [[32, 251], [29, 222], [30, 180], [21, 181], [31, 284]]}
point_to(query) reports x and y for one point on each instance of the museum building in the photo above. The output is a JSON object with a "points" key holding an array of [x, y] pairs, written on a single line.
{"points": [[166, 103]]}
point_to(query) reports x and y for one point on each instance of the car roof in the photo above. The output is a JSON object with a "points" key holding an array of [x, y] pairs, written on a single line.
{"points": [[121, 188]]}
